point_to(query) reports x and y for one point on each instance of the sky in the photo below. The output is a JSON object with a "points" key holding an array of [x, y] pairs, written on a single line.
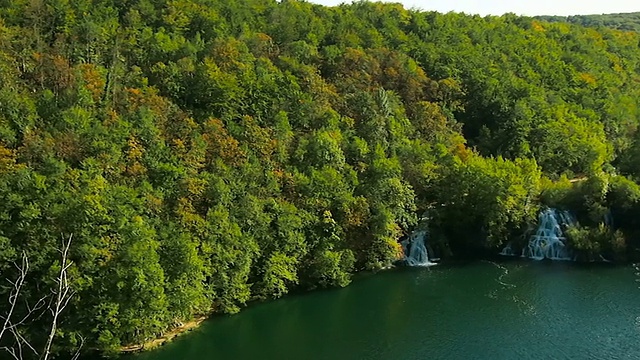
{"points": [[519, 7]]}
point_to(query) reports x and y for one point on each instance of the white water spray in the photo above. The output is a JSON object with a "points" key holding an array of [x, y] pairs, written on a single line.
{"points": [[508, 251], [549, 241], [415, 249]]}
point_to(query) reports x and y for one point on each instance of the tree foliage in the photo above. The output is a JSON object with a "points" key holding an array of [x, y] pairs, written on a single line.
{"points": [[209, 153]]}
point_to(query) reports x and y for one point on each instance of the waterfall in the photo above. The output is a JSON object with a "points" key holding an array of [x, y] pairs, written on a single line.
{"points": [[608, 219], [549, 241], [508, 251], [415, 249]]}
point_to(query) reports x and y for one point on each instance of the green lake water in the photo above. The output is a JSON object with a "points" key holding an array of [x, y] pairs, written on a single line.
{"points": [[483, 310]]}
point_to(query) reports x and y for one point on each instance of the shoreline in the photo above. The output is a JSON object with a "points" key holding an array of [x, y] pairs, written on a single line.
{"points": [[196, 322], [164, 339]]}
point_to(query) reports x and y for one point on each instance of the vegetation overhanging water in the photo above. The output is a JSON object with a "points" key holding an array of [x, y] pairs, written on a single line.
{"points": [[164, 160], [482, 310]]}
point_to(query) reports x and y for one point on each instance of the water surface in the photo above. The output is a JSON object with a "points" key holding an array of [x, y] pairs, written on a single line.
{"points": [[484, 310]]}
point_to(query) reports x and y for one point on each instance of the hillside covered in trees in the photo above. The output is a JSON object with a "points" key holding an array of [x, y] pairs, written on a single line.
{"points": [[623, 21], [207, 153]]}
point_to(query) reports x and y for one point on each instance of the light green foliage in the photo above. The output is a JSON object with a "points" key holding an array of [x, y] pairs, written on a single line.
{"points": [[557, 194], [624, 21], [228, 254], [492, 199], [184, 272], [282, 250], [593, 242], [575, 146], [334, 268], [279, 273], [623, 192], [208, 153]]}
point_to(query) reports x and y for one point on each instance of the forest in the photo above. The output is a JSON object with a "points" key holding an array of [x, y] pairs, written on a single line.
{"points": [[167, 159], [624, 21]]}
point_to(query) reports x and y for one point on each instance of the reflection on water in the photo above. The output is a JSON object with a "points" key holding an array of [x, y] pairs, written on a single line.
{"points": [[485, 310]]}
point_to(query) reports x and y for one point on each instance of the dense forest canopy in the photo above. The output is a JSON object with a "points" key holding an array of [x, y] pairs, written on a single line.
{"points": [[206, 153], [624, 21]]}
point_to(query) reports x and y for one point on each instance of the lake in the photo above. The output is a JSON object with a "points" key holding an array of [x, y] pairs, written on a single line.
{"points": [[482, 310]]}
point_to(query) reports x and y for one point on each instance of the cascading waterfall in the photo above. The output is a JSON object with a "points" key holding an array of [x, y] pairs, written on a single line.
{"points": [[608, 219], [549, 241], [415, 249], [508, 251]]}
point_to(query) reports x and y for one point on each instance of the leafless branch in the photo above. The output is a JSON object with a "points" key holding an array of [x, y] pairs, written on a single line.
{"points": [[20, 340], [17, 351], [23, 269], [77, 354], [60, 297], [30, 311], [11, 351], [62, 294]]}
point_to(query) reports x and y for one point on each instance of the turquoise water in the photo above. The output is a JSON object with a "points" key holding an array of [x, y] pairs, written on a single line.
{"points": [[483, 310]]}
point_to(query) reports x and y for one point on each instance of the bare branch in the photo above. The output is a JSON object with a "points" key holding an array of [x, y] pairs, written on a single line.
{"points": [[11, 352], [23, 269], [21, 340], [77, 354], [62, 295], [30, 311]]}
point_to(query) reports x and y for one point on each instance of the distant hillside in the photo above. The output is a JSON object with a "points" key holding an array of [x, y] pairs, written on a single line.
{"points": [[625, 21]]}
